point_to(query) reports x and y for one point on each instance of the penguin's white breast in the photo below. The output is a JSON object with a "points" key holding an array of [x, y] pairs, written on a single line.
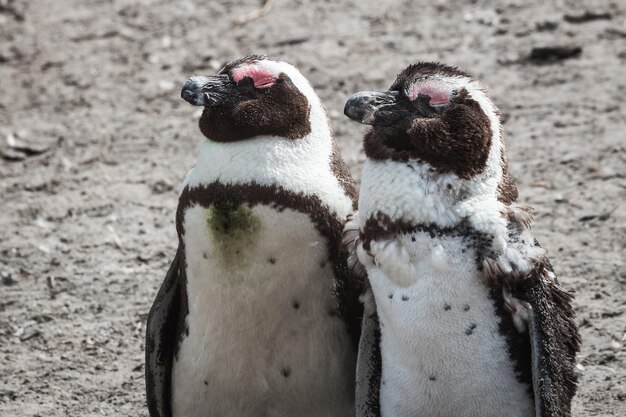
{"points": [[264, 337], [442, 352]]}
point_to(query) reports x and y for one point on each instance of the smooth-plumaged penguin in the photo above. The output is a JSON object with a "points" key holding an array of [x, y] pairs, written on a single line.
{"points": [[258, 315], [464, 316]]}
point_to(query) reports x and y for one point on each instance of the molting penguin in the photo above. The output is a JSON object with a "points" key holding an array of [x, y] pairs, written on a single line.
{"points": [[258, 315], [465, 316]]}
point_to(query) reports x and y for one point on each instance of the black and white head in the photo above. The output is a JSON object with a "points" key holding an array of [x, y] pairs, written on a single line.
{"points": [[264, 115], [439, 118], [255, 96]]}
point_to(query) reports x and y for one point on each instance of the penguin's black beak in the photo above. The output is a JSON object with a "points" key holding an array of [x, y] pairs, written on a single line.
{"points": [[208, 91], [372, 107]]}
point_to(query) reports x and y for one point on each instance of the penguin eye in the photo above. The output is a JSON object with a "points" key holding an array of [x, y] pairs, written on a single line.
{"points": [[437, 92], [260, 77], [246, 85]]}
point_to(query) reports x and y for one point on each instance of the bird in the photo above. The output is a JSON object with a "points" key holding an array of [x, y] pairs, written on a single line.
{"points": [[463, 313], [258, 314]]}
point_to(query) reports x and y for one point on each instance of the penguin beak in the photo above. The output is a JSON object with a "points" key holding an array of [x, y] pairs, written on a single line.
{"points": [[367, 107], [207, 91]]}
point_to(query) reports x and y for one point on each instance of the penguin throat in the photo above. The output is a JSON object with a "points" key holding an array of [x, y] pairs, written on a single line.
{"points": [[417, 193]]}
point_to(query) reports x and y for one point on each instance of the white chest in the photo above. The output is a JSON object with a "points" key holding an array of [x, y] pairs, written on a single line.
{"points": [[442, 353], [264, 337]]}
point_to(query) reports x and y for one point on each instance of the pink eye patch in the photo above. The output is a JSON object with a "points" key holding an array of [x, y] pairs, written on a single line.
{"points": [[438, 91], [261, 78]]}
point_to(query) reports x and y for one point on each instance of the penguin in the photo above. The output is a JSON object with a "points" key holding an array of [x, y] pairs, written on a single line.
{"points": [[464, 315], [258, 314]]}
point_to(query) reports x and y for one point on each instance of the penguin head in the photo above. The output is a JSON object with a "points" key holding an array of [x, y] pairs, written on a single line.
{"points": [[253, 96], [437, 115]]}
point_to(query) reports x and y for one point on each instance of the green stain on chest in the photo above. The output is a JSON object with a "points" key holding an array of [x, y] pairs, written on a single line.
{"points": [[234, 228]]}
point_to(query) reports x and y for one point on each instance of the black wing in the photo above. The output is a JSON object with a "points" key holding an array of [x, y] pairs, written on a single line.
{"points": [[368, 367], [554, 341], [161, 340]]}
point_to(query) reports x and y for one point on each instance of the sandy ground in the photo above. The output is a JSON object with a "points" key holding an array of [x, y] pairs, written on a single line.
{"points": [[94, 142]]}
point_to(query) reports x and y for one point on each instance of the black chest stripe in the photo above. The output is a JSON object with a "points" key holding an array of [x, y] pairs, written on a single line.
{"points": [[382, 227], [326, 222]]}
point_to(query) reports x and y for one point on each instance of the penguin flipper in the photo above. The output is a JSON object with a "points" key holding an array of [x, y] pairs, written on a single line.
{"points": [[554, 340], [368, 368], [161, 339]]}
